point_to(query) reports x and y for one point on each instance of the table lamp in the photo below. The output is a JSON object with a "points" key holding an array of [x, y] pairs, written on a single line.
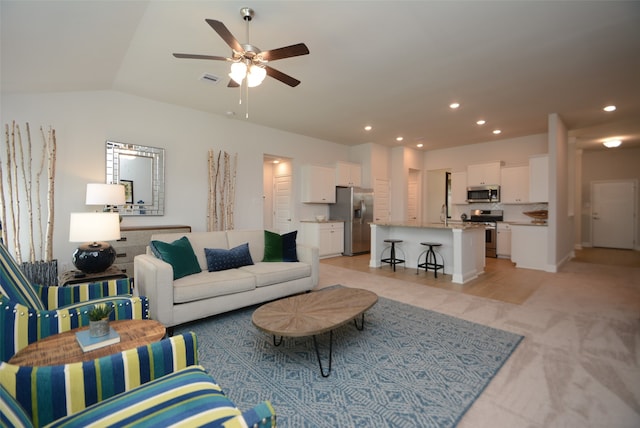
{"points": [[94, 228], [109, 195]]}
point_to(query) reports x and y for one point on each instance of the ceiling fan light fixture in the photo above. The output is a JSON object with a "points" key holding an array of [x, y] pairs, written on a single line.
{"points": [[255, 76], [238, 72]]}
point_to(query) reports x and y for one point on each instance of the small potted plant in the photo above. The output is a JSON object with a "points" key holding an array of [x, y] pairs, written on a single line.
{"points": [[99, 319]]}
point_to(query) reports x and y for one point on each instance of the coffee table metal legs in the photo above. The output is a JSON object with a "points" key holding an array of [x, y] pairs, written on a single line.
{"points": [[360, 327], [315, 343]]}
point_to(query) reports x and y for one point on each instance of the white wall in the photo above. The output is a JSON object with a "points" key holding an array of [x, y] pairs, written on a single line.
{"points": [[85, 120]]}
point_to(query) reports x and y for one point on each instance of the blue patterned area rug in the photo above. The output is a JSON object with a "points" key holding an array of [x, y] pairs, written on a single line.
{"points": [[409, 367]]}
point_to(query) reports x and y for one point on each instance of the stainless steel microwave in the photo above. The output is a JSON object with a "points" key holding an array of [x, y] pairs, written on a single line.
{"points": [[483, 194]]}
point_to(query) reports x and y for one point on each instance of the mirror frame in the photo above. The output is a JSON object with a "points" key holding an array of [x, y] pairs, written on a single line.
{"points": [[113, 151]]}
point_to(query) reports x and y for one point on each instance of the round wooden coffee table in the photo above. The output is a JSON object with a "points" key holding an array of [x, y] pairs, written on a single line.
{"points": [[314, 313], [63, 348]]}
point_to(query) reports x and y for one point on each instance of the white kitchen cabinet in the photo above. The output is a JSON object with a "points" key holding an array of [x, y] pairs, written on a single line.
{"points": [[515, 185], [503, 241], [459, 187], [529, 247], [327, 236], [318, 184], [539, 178], [348, 174], [483, 174]]}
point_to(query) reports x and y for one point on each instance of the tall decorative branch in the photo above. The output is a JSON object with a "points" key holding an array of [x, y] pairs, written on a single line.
{"points": [[19, 164], [51, 149], [221, 196]]}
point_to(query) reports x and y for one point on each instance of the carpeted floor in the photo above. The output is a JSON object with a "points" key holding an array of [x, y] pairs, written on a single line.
{"points": [[409, 367]]}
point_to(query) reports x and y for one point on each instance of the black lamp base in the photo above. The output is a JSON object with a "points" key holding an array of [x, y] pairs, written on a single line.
{"points": [[94, 258]]}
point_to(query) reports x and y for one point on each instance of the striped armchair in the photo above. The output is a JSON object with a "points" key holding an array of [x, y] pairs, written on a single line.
{"points": [[30, 312], [155, 385]]}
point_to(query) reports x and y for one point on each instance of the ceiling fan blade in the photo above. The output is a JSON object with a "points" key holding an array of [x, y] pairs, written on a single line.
{"points": [[225, 34], [232, 84], [285, 52], [284, 78], [191, 56]]}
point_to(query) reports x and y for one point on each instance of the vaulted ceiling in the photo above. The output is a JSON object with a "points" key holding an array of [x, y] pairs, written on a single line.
{"points": [[394, 65]]}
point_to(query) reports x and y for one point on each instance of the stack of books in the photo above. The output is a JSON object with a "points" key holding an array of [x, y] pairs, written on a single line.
{"points": [[88, 343]]}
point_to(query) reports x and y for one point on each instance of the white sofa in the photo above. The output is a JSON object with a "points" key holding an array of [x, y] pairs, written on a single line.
{"points": [[196, 296]]}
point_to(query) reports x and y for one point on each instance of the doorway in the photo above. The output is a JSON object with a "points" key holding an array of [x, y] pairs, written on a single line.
{"points": [[277, 185], [613, 206]]}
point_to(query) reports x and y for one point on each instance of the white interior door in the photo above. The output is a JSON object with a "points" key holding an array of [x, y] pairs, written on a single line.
{"points": [[612, 214], [282, 203], [381, 205]]}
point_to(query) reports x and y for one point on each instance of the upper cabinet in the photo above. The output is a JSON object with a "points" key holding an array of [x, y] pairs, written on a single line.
{"points": [[348, 174], [483, 174], [459, 187], [515, 185], [318, 184], [539, 178]]}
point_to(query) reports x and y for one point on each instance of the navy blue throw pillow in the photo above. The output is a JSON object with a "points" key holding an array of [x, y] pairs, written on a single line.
{"points": [[221, 259]]}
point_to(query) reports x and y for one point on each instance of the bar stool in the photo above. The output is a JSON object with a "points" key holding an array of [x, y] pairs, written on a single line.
{"points": [[430, 261], [392, 260]]}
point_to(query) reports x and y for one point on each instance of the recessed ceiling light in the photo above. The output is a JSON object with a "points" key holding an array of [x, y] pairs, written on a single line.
{"points": [[481, 122], [610, 108], [419, 145], [276, 161], [368, 128], [612, 143], [496, 131], [454, 105], [399, 139]]}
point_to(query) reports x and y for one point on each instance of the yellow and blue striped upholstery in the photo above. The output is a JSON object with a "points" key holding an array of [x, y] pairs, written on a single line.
{"points": [[21, 325], [11, 413], [14, 284], [49, 393], [59, 297]]}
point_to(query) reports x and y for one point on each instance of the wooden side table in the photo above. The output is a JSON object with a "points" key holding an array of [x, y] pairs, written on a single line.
{"points": [[78, 277], [63, 348]]}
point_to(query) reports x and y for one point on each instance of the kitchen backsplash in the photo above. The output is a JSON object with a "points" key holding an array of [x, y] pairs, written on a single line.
{"points": [[512, 212]]}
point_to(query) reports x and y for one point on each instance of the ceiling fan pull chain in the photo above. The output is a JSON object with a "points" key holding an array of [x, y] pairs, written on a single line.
{"points": [[246, 105]]}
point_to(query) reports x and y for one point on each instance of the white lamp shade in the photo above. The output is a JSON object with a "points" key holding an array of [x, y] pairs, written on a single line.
{"points": [[105, 194], [92, 227], [256, 76], [238, 72]]}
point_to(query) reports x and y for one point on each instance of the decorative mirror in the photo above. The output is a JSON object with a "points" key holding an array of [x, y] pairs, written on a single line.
{"points": [[141, 170]]}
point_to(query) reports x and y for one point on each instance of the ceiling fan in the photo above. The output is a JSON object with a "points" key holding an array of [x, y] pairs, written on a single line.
{"points": [[247, 60]]}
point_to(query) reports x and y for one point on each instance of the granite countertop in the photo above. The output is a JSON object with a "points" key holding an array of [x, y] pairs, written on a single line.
{"points": [[431, 225], [525, 223], [322, 221]]}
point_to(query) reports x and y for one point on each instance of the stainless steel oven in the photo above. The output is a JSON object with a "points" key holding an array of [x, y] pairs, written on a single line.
{"points": [[488, 218]]}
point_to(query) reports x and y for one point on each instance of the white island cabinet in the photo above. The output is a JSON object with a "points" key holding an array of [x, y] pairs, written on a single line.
{"points": [[529, 246], [463, 246]]}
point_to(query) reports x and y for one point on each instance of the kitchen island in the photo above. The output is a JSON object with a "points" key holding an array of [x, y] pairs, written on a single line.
{"points": [[463, 246]]}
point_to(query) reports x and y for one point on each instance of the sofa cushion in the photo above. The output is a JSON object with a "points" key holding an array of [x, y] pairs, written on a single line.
{"points": [[280, 248], [222, 259], [205, 285], [255, 238], [277, 272], [189, 394], [179, 254]]}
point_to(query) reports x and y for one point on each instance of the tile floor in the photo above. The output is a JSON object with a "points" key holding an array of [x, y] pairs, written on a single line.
{"points": [[579, 365]]}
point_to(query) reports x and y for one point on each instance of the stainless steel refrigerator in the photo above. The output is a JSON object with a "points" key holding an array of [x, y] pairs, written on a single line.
{"points": [[354, 206]]}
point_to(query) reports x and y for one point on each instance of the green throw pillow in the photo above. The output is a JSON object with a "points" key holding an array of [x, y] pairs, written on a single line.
{"points": [[179, 254], [280, 248]]}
